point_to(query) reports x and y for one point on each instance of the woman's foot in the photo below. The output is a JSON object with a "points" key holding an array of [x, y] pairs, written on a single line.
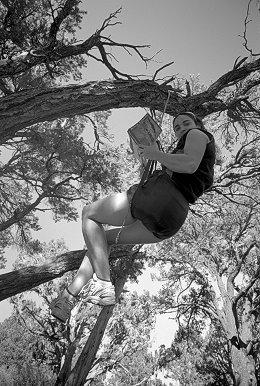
{"points": [[99, 292], [61, 306]]}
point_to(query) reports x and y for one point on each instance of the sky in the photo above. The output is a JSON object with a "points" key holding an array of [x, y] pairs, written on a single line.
{"points": [[200, 36]]}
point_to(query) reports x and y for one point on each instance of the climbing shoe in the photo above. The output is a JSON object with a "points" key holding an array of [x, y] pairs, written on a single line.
{"points": [[61, 308]]}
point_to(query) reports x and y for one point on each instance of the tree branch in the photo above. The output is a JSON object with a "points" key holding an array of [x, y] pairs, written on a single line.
{"points": [[20, 214], [64, 12], [233, 76], [245, 290], [25, 279], [53, 52], [160, 69], [29, 107], [48, 192]]}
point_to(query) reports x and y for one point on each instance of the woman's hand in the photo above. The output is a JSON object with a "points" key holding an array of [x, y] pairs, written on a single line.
{"points": [[149, 152]]}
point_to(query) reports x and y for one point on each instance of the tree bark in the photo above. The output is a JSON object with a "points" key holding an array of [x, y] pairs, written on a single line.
{"points": [[83, 366], [238, 332], [88, 355], [242, 359], [243, 367], [24, 279], [29, 107]]}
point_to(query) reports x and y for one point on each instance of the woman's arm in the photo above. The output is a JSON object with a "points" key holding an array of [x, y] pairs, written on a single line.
{"points": [[186, 162]]}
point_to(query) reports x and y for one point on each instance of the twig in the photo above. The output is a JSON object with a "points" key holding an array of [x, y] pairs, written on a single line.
{"points": [[188, 88], [160, 69], [238, 64]]}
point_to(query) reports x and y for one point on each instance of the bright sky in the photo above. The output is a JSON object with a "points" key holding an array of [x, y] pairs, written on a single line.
{"points": [[200, 36]]}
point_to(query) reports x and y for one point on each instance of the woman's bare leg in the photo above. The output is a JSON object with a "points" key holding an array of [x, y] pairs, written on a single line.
{"points": [[135, 233], [84, 274], [114, 211]]}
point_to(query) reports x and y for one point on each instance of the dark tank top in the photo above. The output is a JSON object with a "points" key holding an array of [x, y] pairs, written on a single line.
{"points": [[192, 186]]}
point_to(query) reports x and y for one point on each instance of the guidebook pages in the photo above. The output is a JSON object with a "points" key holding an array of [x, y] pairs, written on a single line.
{"points": [[144, 132]]}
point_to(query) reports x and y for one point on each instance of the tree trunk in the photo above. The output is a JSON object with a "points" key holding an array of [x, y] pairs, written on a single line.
{"points": [[242, 360], [243, 367], [24, 279], [239, 335], [66, 364], [85, 361]]}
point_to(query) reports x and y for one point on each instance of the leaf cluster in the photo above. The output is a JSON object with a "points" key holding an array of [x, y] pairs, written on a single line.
{"points": [[22, 356], [36, 29], [205, 355]]}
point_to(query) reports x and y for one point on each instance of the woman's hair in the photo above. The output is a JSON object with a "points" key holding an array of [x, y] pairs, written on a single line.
{"points": [[194, 117]]}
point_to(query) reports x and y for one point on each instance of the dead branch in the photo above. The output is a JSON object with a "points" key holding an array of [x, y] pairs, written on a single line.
{"points": [[239, 63], [107, 22], [244, 36], [188, 88], [160, 69]]}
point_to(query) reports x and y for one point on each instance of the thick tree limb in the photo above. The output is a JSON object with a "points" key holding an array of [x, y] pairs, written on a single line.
{"points": [[24, 279], [233, 76], [30, 107]]}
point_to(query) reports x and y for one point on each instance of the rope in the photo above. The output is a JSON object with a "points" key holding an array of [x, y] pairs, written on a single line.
{"points": [[149, 168], [121, 228], [165, 106]]}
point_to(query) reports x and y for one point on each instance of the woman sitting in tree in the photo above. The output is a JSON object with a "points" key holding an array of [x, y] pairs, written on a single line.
{"points": [[190, 167]]}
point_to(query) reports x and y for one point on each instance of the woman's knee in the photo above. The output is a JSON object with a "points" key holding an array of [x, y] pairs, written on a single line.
{"points": [[113, 210], [87, 212], [94, 211]]}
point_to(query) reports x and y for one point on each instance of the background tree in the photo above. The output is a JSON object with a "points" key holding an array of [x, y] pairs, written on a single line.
{"points": [[214, 273], [197, 358], [23, 357]]}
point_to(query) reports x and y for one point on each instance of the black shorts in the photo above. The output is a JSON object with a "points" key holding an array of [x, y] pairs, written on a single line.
{"points": [[167, 213]]}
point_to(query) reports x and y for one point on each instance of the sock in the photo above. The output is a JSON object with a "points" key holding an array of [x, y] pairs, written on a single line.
{"points": [[70, 293], [103, 280]]}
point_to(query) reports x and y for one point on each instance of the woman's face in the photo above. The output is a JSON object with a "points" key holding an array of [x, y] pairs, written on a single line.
{"points": [[182, 124]]}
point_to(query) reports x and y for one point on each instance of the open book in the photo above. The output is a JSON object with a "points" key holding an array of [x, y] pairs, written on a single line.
{"points": [[144, 132]]}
